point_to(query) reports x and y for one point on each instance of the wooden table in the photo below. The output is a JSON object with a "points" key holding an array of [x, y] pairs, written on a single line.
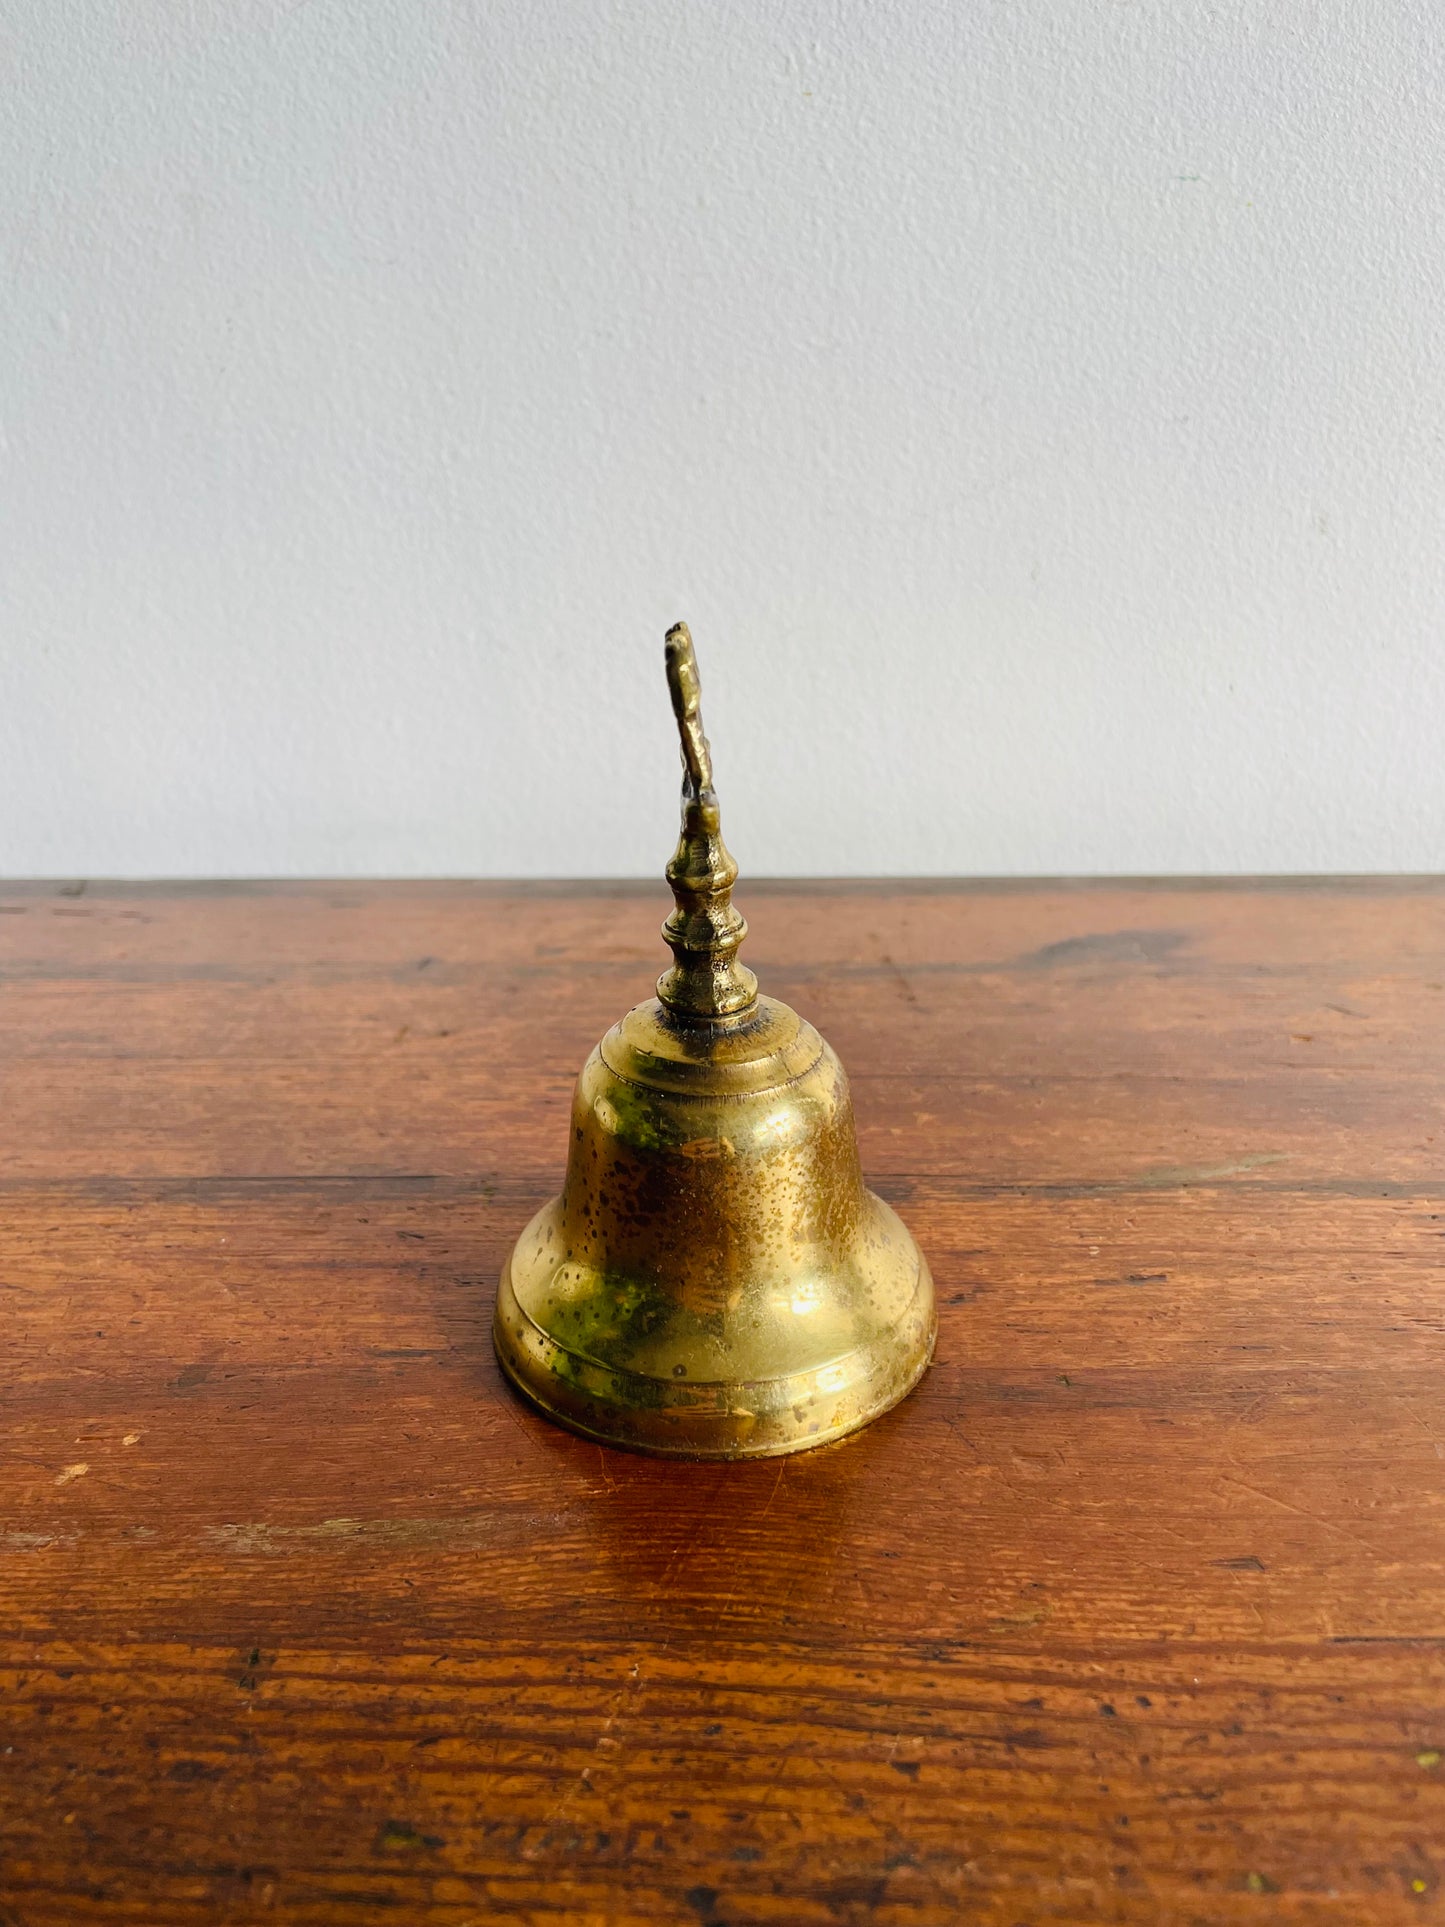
{"points": [[1134, 1613]]}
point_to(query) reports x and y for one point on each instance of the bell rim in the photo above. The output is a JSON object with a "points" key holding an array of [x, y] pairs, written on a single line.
{"points": [[673, 1423]]}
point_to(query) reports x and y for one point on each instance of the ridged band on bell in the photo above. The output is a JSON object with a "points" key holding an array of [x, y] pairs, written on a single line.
{"points": [[714, 1281]]}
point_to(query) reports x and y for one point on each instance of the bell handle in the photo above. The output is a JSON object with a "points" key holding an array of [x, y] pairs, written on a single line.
{"points": [[706, 982]]}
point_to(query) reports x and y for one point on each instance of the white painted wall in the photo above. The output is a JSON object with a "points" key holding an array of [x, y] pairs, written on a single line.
{"points": [[1036, 406]]}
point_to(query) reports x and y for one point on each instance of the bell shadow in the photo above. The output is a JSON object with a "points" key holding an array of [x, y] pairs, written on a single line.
{"points": [[746, 1550]]}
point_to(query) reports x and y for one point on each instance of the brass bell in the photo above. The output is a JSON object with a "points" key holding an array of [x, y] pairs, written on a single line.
{"points": [[714, 1281]]}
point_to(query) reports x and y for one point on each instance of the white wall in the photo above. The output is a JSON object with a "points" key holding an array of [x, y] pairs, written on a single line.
{"points": [[1035, 406]]}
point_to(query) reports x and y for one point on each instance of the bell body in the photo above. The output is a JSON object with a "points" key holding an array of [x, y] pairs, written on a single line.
{"points": [[714, 1281]]}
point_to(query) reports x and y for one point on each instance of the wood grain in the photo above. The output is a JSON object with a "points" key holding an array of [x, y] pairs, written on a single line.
{"points": [[1134, 1613]]}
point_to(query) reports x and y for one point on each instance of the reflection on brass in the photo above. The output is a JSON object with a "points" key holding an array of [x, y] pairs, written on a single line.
{"points": [[714, 1281]]}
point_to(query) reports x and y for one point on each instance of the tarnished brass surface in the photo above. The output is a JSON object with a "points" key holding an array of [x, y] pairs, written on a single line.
{"points": [[714, 1280]]}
